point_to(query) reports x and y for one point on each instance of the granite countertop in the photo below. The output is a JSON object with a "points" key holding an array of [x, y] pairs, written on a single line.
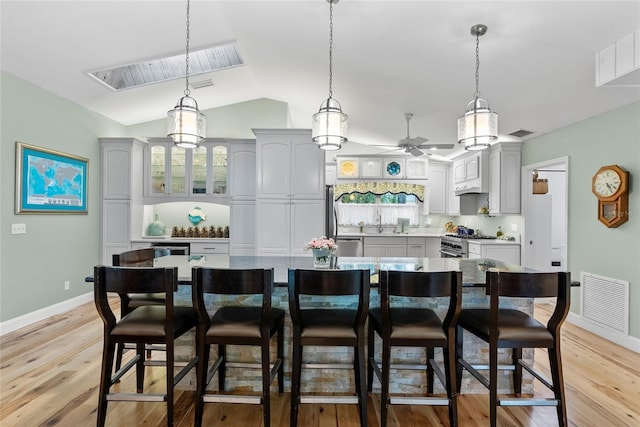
{"points": [[389, 234]]}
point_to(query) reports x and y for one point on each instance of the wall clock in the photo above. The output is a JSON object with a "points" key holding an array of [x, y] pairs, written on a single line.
{"points": [[611, 186]]}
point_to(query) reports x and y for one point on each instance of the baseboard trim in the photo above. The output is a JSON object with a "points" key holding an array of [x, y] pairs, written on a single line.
{"points": [[44, 313], [627, 341]]}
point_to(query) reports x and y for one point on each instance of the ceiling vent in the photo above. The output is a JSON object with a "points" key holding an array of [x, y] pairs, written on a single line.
{"points": [[163, 69], [520, 133]]}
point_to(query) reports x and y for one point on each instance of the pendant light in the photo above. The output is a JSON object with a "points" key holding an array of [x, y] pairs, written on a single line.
{"points": [[478, 127], [329, 127], [186, 125]]}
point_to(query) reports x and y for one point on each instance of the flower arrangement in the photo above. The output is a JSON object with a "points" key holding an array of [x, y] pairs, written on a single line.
{"points": [[321, 242]]}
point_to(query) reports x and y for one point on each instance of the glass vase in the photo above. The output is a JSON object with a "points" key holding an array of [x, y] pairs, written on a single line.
{"points": [[321, 258]]}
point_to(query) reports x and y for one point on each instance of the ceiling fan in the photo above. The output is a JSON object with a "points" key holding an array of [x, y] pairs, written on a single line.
{"points": [[415, 145]]}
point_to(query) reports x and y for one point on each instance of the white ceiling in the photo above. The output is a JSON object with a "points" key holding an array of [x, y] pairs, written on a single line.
{"points": [[537, 66]]}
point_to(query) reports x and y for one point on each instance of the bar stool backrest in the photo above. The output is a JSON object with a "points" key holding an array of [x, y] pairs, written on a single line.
{"points": [[135, 258]]}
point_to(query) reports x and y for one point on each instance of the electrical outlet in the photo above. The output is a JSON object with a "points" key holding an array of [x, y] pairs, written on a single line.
{"points": [[18, 228], [67, 285]]}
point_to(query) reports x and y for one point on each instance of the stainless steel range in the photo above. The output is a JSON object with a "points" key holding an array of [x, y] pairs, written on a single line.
{"points": [[456, 246]]}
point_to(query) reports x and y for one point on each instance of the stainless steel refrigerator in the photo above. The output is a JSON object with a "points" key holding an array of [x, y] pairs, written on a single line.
{"points": [[348, 246]]}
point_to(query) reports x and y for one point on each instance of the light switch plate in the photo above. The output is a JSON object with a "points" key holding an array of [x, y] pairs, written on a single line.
{"points": [[18, 228]]}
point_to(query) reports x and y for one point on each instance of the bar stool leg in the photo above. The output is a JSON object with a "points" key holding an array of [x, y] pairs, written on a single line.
{"points": [[370, 355], [296, 368], [222, 370], [555, 365], [430, 355], [280, 351], [449, 359], [105, 381], [386, 369], [459, 355], [266, 374], [516, 355], [361, 386], [201, 378], [140, 368], [493, 383], [169, 376]]}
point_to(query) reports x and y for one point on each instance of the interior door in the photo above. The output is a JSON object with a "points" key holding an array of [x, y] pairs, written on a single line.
{"points": [[538, 232]]}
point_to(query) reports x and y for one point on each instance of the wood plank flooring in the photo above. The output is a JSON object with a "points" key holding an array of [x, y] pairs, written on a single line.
{"points": [[49, 375]]}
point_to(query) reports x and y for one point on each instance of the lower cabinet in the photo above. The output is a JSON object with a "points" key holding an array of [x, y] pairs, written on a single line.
{"points": [[204, 248], [508, 252], [242, 223], [402, 246]]}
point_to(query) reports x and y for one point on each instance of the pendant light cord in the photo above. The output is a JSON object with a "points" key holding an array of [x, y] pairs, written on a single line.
{"points": [[186, 89], [330, 48], [477, 94]]}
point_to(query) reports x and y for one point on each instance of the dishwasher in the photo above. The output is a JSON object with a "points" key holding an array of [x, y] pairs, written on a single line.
{"points": [[349, 246]]}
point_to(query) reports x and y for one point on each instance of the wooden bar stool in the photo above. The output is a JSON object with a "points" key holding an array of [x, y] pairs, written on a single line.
{"points": [[510, 328], [330, 326], [416, 327], [252, 325], [156, 324]]}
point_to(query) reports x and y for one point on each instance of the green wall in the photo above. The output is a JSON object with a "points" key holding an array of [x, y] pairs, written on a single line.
{"points": [[59, 248], [56, 248], [611, 138]]}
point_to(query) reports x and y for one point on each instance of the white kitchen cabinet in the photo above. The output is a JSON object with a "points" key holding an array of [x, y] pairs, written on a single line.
{"points": [[417, 168], [371, 167], [438, 188], [122, 203], [416, 247], [285, 226], [385, 246], [348, 167], [507, 252], [470, 172], [242, 227], [290, 191], [432, 247], [208, 248], [619, 63], [173, 173], [288, 164], [242, 170], [504, 178]]}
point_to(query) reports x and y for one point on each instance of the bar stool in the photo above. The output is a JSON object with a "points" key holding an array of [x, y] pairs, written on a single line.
{"points": [[416, 327], [236, 325], [156, 324], [510, 328], [328, 327]]}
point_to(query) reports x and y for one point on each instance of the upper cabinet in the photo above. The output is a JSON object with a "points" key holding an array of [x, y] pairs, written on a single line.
{"points": [[288, 164], [438, 186], [175, 173], [504, 178], [470, 173], [242, 170], [369, 168]]}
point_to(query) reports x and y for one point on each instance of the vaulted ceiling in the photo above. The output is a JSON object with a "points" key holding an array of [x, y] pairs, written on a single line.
{"points": [[537, 60]]}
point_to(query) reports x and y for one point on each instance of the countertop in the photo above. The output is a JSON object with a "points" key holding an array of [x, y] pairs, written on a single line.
{"points": [[169, 239], [387, 234]]}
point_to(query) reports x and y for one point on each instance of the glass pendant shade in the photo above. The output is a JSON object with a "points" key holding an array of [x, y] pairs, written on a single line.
{"points": [[186, 125], [329, 126], [478, 127]]}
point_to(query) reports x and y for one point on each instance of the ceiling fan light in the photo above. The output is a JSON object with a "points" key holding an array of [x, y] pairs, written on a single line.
{"points": [[186, 125], [329, 126]]}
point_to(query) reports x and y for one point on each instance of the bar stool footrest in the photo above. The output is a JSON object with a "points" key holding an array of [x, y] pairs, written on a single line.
{"points": [[329, 399], [527, 402], [418, 400], [136, 397], [229, 398]]}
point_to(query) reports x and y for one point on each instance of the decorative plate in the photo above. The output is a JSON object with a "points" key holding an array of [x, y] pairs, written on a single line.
{"points": [[393, 168], [196, 215]]}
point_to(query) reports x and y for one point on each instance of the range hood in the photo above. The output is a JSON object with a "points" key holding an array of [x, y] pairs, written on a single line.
{"points": [[474, 189]]}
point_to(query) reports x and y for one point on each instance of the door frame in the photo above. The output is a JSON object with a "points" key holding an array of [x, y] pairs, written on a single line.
{"points": [[527, 191]]}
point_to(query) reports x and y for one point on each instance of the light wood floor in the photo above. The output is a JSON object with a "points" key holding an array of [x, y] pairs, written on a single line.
{"points": [[49, 375]]}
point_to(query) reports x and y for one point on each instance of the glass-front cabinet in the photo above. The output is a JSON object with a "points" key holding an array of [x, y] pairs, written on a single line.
{"points": [[173, 172]]}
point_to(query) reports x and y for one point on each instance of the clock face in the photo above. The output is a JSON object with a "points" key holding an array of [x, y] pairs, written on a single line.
{"points": [[607, 183]]}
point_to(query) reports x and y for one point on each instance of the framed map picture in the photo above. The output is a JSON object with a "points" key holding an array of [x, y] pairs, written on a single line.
{"points": [[49, 181]]}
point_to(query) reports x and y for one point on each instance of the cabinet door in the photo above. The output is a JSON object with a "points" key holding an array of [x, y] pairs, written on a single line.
{"points": [[432, 247], [417, 168], [393, 168], [472, 167], [506, 253], [242, 228], [370, 167], [307, 221], [273, 168], [307, 168], [396, 251], [115, 228], [157, 175], [374, 250], [348, 167], [458, 171], [242, 171], [438, 189], [273, 227], [415, 250], [116, 171]]}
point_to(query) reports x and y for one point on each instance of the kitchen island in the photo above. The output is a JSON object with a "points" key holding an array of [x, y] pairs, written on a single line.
{"points": [[473, 273]]}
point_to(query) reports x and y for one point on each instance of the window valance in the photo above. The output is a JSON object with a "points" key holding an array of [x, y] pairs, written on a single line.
{"points": [[379, 188]]}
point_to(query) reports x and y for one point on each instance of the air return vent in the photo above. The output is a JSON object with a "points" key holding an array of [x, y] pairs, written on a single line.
{"points": [[605, 302], [520, 133], [159, 70]]}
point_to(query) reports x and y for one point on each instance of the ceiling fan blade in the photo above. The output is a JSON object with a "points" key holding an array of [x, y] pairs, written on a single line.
{"points": [[437, 146], [414, 151]]}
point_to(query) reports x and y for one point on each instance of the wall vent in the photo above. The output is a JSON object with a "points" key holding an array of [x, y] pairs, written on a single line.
{"points": [[605, 302]]}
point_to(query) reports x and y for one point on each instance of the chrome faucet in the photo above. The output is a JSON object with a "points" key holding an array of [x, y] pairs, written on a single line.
{"points": [[380, 229]]}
